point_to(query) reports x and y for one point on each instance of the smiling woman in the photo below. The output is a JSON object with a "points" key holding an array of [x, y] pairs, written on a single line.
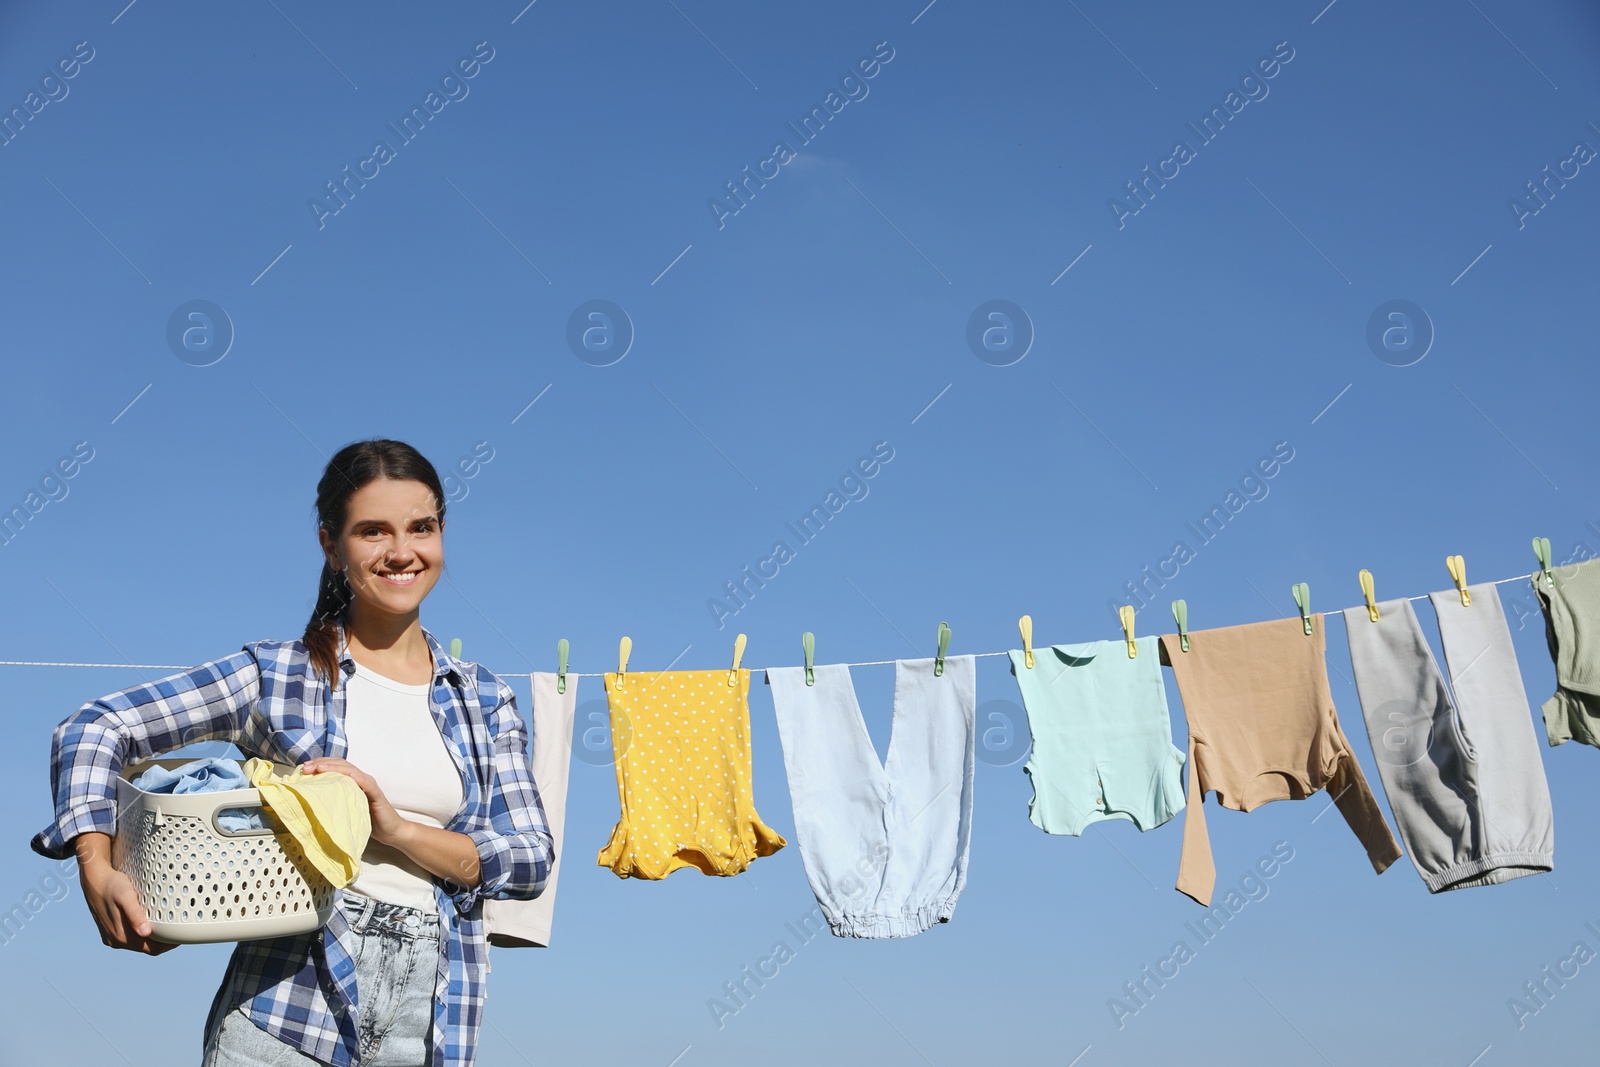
{"points": [[436, 745], [385, 540]]}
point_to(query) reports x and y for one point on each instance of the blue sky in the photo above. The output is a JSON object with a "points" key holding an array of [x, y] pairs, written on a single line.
{"points": [[1172, 348]]}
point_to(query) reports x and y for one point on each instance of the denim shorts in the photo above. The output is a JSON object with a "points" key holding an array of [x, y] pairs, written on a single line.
{"points": [[397, 963]]}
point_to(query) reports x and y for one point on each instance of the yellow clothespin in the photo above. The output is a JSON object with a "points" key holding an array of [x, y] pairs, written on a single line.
{"points": [[738, 654], [944, 643], [1025, 624], [1125, 613], [1180, 614], [1458, 570], [1366, 591], [622, 658], [561, 670], [808, 641]]}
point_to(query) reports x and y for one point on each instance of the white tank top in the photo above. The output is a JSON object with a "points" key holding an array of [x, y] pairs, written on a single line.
{"points": [[391, 735]]}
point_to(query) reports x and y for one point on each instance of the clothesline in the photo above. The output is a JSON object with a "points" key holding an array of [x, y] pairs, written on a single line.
{"points": [[601, 674]]}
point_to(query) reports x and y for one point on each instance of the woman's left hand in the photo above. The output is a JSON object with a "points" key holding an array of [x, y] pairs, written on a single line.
{"points": [[387, 824]]}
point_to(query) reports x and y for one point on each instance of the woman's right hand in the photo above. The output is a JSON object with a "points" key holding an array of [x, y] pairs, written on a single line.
{"points": [[112, 899]]}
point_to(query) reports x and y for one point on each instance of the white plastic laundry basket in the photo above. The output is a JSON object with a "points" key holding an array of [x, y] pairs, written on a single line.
{"points": [[200, 883]]}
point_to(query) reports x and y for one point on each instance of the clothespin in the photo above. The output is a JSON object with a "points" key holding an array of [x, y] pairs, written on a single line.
{"points": [[1302, 597], [944, 643], [1180, 613], [808, 641], [622, 659], [1458, 570], [1125, 613], [1365, 577], [1025, 624], [1541, 549], [738, 654], [455, 647], [561, 669]]}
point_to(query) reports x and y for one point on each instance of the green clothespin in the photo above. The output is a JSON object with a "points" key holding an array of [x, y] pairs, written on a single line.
{"points": [[1541, 549], [944, 643], [1302, 597], [455, 647], [808, 641], [1180, 612], [561, 670]]}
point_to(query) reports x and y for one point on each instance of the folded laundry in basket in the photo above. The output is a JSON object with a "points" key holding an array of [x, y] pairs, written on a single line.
{"points": [[326, 813], [213, 774]]}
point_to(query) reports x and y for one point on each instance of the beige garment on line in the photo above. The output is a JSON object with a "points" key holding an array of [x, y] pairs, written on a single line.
{"points": [[526, 923], [1262, 727]]}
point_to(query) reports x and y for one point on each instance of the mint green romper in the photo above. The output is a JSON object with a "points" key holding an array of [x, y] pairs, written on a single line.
{"points": [[1102, 736]]}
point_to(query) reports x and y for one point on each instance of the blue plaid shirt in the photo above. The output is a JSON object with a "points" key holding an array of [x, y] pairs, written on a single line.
{"points": [[269, 702]]}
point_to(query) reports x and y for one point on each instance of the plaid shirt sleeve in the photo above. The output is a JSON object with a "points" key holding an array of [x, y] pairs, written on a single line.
{"points": [[516, 852], [90, 748]]}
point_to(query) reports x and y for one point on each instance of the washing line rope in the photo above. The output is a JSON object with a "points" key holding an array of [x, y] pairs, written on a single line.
{"points": [[602, 674]]}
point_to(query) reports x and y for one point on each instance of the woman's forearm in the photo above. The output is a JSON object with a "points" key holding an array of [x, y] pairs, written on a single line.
{"points": [[92, 847], [445, 853]]}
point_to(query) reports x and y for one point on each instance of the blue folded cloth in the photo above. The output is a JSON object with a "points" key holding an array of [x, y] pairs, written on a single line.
{"points": [[209, 775], [213, 774]]}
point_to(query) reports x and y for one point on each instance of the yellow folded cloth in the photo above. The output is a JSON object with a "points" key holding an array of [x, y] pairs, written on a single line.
{"points": [[326, 813]]}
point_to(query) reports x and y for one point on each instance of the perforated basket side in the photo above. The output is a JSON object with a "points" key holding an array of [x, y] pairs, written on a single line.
{"points": [[200, 885]]}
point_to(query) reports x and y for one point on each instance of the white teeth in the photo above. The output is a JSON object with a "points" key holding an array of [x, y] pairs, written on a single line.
{"points": [[401, 578]]}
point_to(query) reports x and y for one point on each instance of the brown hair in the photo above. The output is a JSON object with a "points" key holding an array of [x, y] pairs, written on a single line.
{"points": [[352, 467]]}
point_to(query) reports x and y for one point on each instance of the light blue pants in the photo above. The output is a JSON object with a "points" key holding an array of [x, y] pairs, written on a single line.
{"points": [[884, 845], [397, 959]]}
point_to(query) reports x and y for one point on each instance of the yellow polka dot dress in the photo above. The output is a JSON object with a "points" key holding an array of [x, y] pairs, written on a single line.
{"points": [[682, 743]]}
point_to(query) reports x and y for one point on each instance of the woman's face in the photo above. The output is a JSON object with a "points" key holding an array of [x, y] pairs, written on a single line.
{"points": [[391, 548]]}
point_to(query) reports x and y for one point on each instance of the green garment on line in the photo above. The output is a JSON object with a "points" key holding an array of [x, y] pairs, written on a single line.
{"points": [[1572, 627]]}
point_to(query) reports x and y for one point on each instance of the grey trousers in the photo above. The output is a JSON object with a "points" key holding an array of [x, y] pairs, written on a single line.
{"points": [[1464, 776]]}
